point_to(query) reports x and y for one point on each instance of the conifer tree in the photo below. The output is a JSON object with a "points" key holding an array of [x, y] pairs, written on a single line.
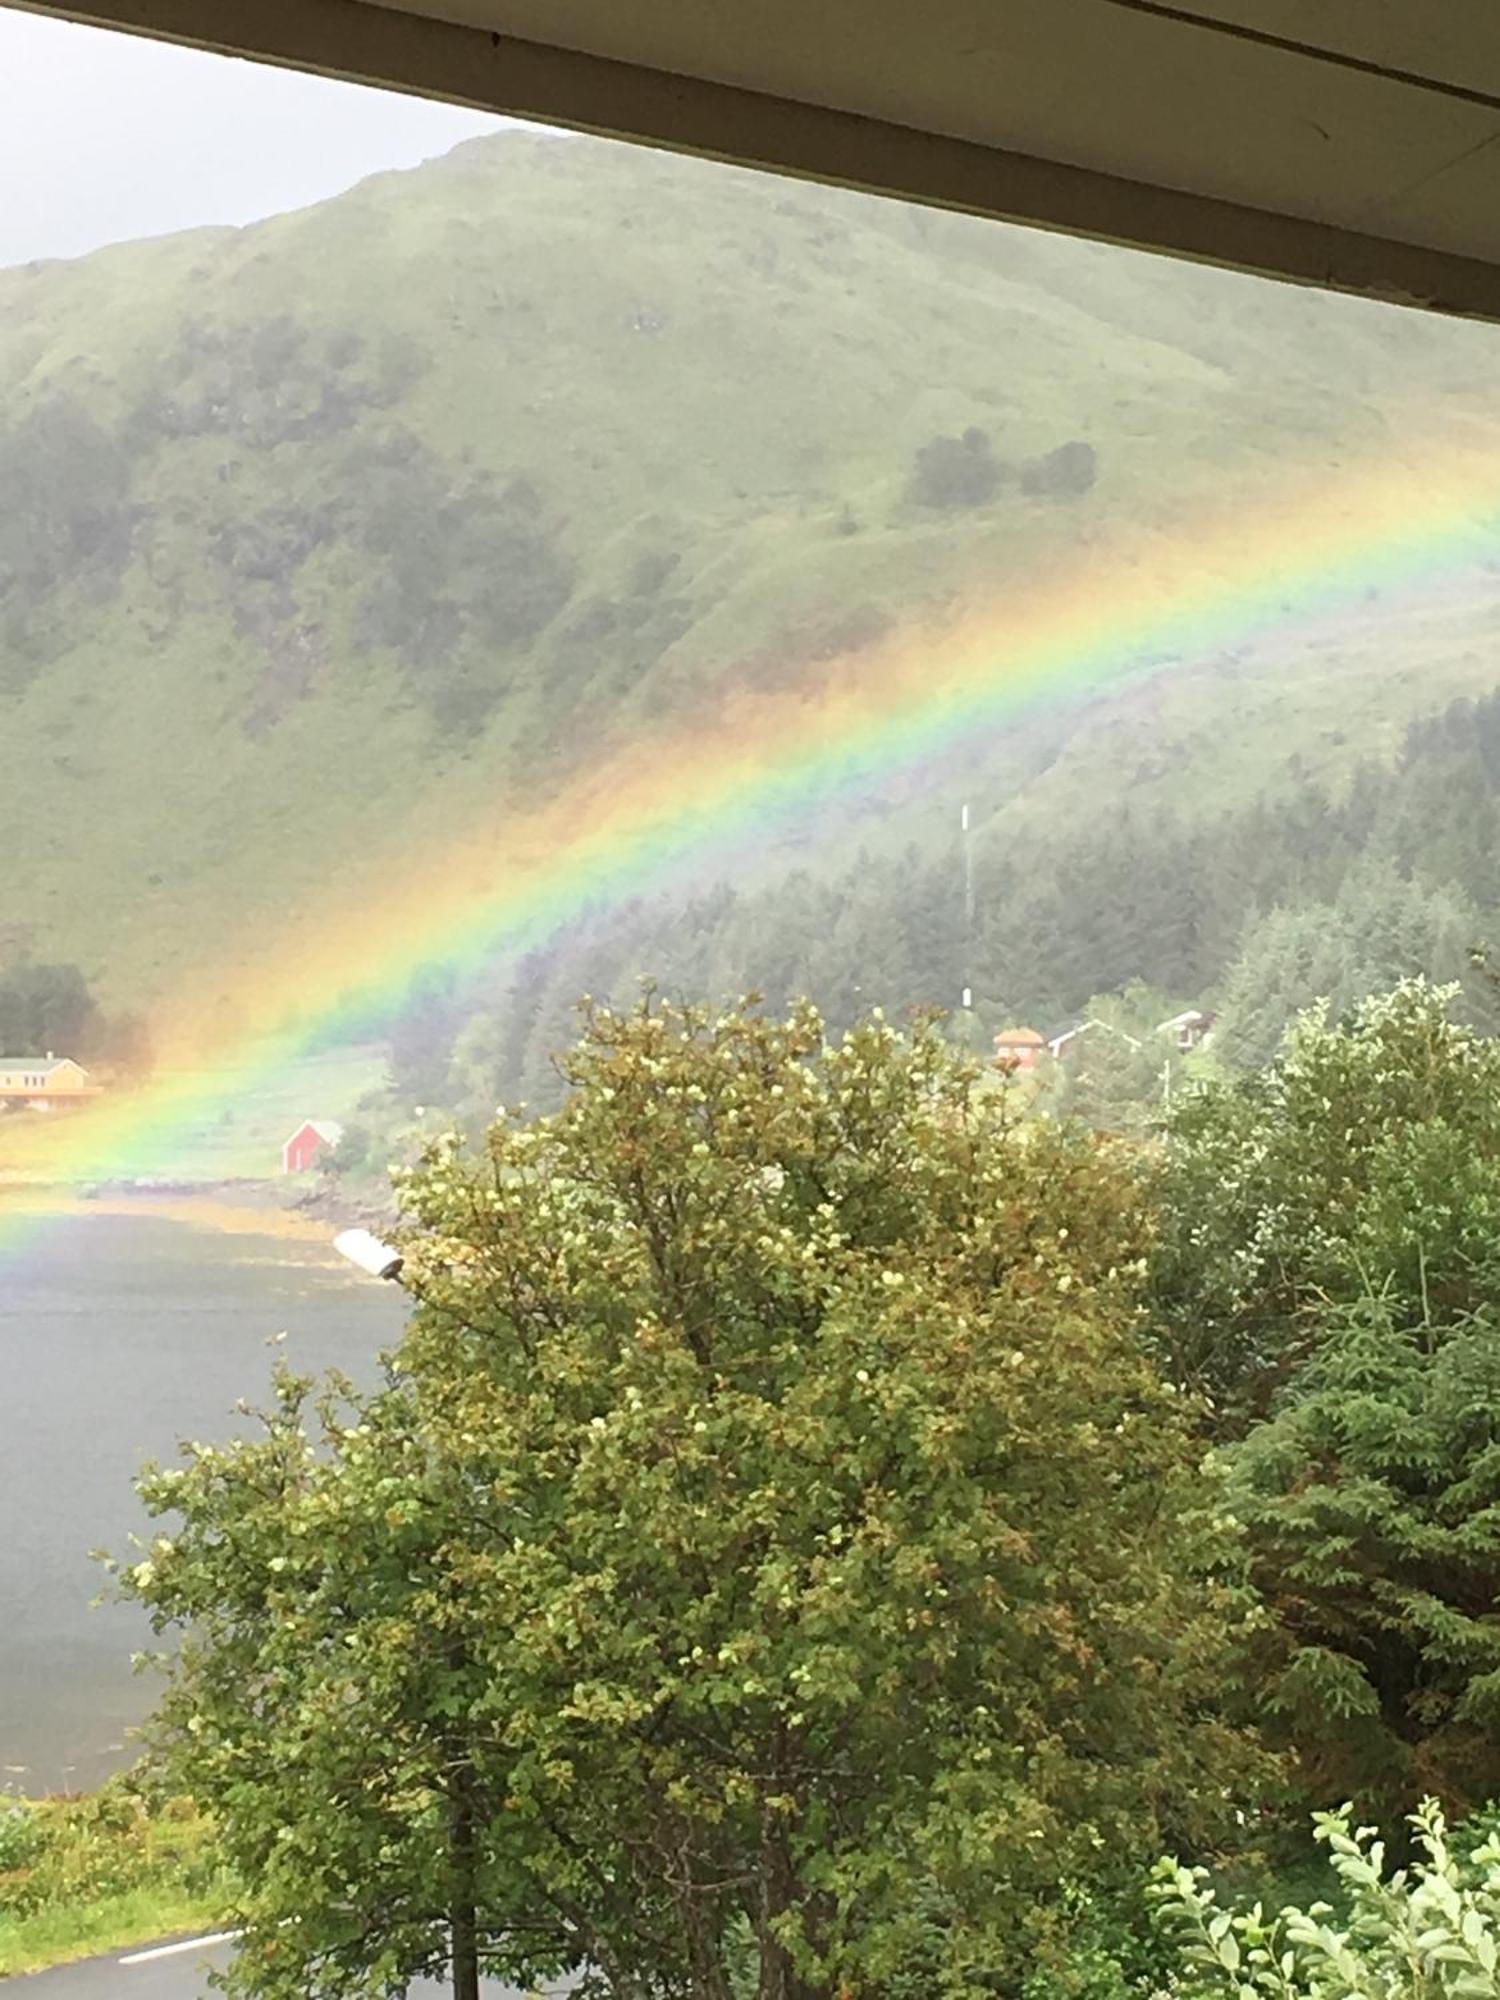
{"points": [[1371, 1500]]}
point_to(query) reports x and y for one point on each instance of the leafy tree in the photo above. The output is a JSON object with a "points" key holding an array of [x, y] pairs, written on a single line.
{"points": [[466, 571], [1364, 1161], [354, 1153], [46, 1007], [933, 921], [1062, 474], [124, 1042], [67, 516], [775, 1565], [1371, 1501], [477, 1073], [956, 471], [778, 1265], [326, 1699], [1429, 1934]]}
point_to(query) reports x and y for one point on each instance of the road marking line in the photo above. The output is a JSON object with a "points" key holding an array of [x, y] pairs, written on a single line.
{"points": [[183, 1944]]}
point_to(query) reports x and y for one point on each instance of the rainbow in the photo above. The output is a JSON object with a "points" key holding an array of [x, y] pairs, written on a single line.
{"points": [[752, 759]]}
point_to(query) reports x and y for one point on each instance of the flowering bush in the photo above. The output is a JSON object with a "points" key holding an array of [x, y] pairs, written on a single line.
{"points": [[1430, 1932]]}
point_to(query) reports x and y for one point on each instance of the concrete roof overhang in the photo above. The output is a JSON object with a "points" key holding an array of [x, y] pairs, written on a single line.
{"points": [[1345, 143]]}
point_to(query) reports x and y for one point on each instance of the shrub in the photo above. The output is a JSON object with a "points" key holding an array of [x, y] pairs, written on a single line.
{"points": [[1095, 1943], [21, 1837], [1431, 1932], [1062, 474], [956, 471], [64, 1851]]}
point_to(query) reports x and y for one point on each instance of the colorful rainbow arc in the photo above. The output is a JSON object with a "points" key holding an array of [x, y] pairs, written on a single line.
{"points": [[687, 792]]}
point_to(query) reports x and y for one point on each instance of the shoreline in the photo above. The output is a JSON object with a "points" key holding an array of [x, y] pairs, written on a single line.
{"points": [[231, 1208]]}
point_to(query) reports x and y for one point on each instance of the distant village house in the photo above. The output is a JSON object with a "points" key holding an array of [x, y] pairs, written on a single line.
{"points": [[1189, 1029], [1019, 1048], [43, 1083], [1062, 1042], [312, 1137]]}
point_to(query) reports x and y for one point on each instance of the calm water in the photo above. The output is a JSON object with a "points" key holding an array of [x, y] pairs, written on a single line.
{"points": [[118, 1337]]}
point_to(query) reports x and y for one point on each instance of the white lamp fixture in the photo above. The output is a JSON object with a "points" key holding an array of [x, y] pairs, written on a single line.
{"points": [[374, 1258]]}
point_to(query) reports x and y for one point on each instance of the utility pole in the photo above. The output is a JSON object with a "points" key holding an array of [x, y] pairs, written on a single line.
{"points": [[963, 824], [967, 853]]}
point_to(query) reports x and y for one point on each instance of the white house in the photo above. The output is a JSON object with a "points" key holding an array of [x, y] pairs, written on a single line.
{"points": [[1190, 1029]]}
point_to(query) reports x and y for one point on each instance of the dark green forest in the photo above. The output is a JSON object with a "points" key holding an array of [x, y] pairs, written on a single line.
{"points": [[1256, 913]]}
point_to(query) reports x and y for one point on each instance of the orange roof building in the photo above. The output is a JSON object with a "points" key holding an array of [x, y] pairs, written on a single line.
{"points": [[1019, 1048]]}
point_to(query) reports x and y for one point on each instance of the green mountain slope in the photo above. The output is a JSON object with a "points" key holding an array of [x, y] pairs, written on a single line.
{"points": [[322, 536]]}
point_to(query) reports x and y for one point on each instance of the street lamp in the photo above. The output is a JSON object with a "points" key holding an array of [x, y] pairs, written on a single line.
{"points": [[369, 1254]]}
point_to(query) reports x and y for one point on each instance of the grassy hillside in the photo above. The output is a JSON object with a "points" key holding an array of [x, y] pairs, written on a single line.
{"points": [[326, 534]]}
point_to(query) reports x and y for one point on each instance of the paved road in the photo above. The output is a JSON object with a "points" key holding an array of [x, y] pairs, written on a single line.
{"points": [[178, 1976]]}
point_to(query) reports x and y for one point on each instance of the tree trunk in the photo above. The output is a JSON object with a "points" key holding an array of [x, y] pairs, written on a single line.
{"points": [[465, 1954], [779, 1893], [463, 1922]]}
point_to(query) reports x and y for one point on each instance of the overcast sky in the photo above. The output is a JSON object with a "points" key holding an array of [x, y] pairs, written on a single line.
{"points": [[107, 137]]}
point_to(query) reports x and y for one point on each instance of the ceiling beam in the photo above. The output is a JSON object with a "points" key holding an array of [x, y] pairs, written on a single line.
{"points": [[386, 47]]}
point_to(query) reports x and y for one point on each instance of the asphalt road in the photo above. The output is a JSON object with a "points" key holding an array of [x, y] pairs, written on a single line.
{"points": [[175, 1976]]}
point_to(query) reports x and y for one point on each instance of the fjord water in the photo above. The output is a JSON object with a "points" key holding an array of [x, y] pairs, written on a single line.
{"points": [[119, 1336]]}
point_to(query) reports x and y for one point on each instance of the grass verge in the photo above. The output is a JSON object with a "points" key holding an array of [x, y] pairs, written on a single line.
{"points": [[88, 1929], [118, 1867]]}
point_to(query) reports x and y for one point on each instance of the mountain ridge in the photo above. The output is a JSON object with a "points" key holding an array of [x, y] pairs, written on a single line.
{"points": [[333, 528]]}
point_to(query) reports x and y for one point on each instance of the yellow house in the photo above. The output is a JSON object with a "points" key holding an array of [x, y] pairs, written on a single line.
{"points": [[43, 1083]]}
